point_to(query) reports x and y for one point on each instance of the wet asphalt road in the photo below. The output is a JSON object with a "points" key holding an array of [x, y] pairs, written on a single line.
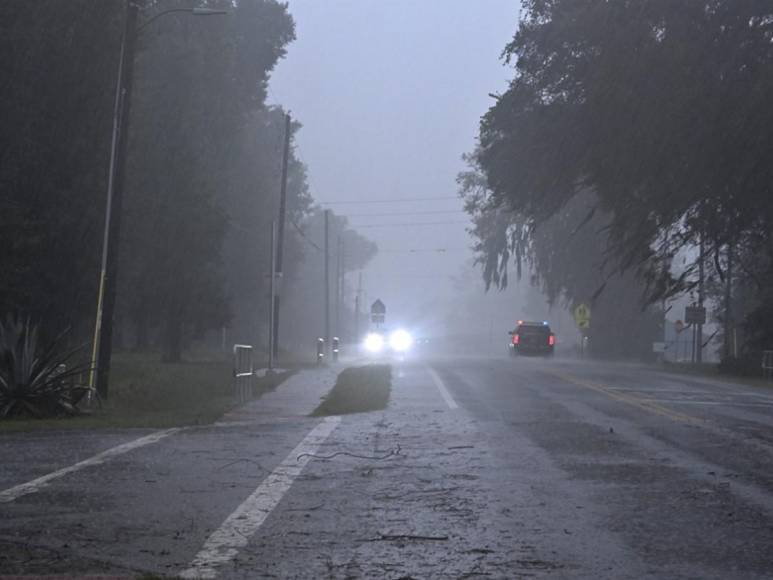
{"points": [[479, 467]]}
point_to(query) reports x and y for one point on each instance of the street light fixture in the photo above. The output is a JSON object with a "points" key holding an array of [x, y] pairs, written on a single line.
{"points": [[103, 327], [207, 11], [192, 11]]}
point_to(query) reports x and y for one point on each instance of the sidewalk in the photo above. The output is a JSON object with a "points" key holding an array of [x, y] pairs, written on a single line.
{"points": [[298, 396]]}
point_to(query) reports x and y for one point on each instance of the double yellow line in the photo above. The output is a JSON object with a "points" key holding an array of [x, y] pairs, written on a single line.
{"points": [[650, 406]]}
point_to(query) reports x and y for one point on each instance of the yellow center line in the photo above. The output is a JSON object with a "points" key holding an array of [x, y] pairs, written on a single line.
{"points": [[629, 399]]}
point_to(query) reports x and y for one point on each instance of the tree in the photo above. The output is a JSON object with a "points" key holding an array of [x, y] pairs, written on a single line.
{"points": [[58, 61], [658, 108], [565, 256], [199, 125], [306, 301], [253, 203]]}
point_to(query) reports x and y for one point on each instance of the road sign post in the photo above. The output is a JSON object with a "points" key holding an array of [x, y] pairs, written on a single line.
{"points": [[378, 312], [695, 315], [581, 315]]}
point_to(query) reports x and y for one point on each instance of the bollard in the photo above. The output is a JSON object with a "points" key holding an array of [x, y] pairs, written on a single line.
{"points": [[320, 350], [335, 348]]}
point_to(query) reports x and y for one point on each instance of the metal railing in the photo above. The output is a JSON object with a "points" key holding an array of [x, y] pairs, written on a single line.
{"points": [[767, 364], [244, 372]]}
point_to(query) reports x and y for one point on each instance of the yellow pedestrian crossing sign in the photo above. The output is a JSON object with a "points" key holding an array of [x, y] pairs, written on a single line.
{"points": [[582, 316]]}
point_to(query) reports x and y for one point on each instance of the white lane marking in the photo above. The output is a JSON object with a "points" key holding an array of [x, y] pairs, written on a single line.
{"points": [[35, 485], [723, 403], [659, 390], [687, 392], [234, 533], [442, 388]]}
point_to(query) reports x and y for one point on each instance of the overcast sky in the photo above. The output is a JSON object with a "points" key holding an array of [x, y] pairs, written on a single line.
{"points": [[390, 93]]}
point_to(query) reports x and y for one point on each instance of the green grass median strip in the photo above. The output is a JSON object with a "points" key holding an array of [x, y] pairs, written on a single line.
{"points": [[711, 371], [358, 390], [147, 393]]}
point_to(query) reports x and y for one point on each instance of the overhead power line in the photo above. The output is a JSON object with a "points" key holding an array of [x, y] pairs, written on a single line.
{"points": [[304, 236], [407, 224], [423, 250], [395, 200], [422, 212]]}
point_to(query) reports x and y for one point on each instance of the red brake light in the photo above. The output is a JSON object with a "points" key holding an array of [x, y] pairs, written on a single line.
{"points": [[552, 340], [516, 338]]}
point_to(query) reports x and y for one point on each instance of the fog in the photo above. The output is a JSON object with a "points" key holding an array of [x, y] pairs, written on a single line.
{"points": [[390, 95], [565, 207], [149, 152]]}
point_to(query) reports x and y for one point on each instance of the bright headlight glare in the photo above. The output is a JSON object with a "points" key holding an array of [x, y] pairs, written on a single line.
{"points": [[374, 342], [400, 340]]}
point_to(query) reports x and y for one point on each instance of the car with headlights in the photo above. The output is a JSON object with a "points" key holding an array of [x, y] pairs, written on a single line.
{"points": [[532, 338], [383, 342]]}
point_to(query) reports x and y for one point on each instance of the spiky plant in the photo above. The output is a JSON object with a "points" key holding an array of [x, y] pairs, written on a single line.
{"points": [[36, 380]]}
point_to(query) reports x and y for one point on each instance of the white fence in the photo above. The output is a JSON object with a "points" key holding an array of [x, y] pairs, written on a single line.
{"points": [[767, 364], [243, 372]]}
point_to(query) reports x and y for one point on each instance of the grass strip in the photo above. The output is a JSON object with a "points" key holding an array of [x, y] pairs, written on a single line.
{"points": [[358, 390], [712, 371], [144, 392]]}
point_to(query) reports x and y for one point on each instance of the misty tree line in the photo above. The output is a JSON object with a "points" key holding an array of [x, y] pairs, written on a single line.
{"points": [[203, 177], [631, 130]]}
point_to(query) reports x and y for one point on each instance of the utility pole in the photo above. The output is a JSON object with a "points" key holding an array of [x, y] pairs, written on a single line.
{"points": [[339, 286], [343, 287], [281, 231], [357, 310], [272, 300], [103, 330], [728, 301], [701, 296], [327, 278]]}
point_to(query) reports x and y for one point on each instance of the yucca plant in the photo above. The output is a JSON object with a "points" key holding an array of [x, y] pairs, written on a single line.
{"points": [[36, 380]]}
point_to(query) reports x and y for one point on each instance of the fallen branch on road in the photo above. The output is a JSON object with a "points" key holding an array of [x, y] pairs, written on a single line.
{"points": [[242, 460], [391, 453], [397, 537]]}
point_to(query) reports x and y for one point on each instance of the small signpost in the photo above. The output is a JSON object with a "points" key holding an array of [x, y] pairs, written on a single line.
{"points": [[695, 315], [377, 312]]}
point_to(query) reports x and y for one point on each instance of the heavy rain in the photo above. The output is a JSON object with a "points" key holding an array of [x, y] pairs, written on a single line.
{"points": [[402, 289]]}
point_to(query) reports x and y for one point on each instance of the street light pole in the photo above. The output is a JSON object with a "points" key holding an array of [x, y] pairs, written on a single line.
{"points": [[102, 344], [103, 331]]}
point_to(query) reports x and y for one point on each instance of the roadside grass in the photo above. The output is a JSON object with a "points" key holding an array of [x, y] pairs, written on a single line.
{"points": [[358, 390], [712, 371], [144, 392]]}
